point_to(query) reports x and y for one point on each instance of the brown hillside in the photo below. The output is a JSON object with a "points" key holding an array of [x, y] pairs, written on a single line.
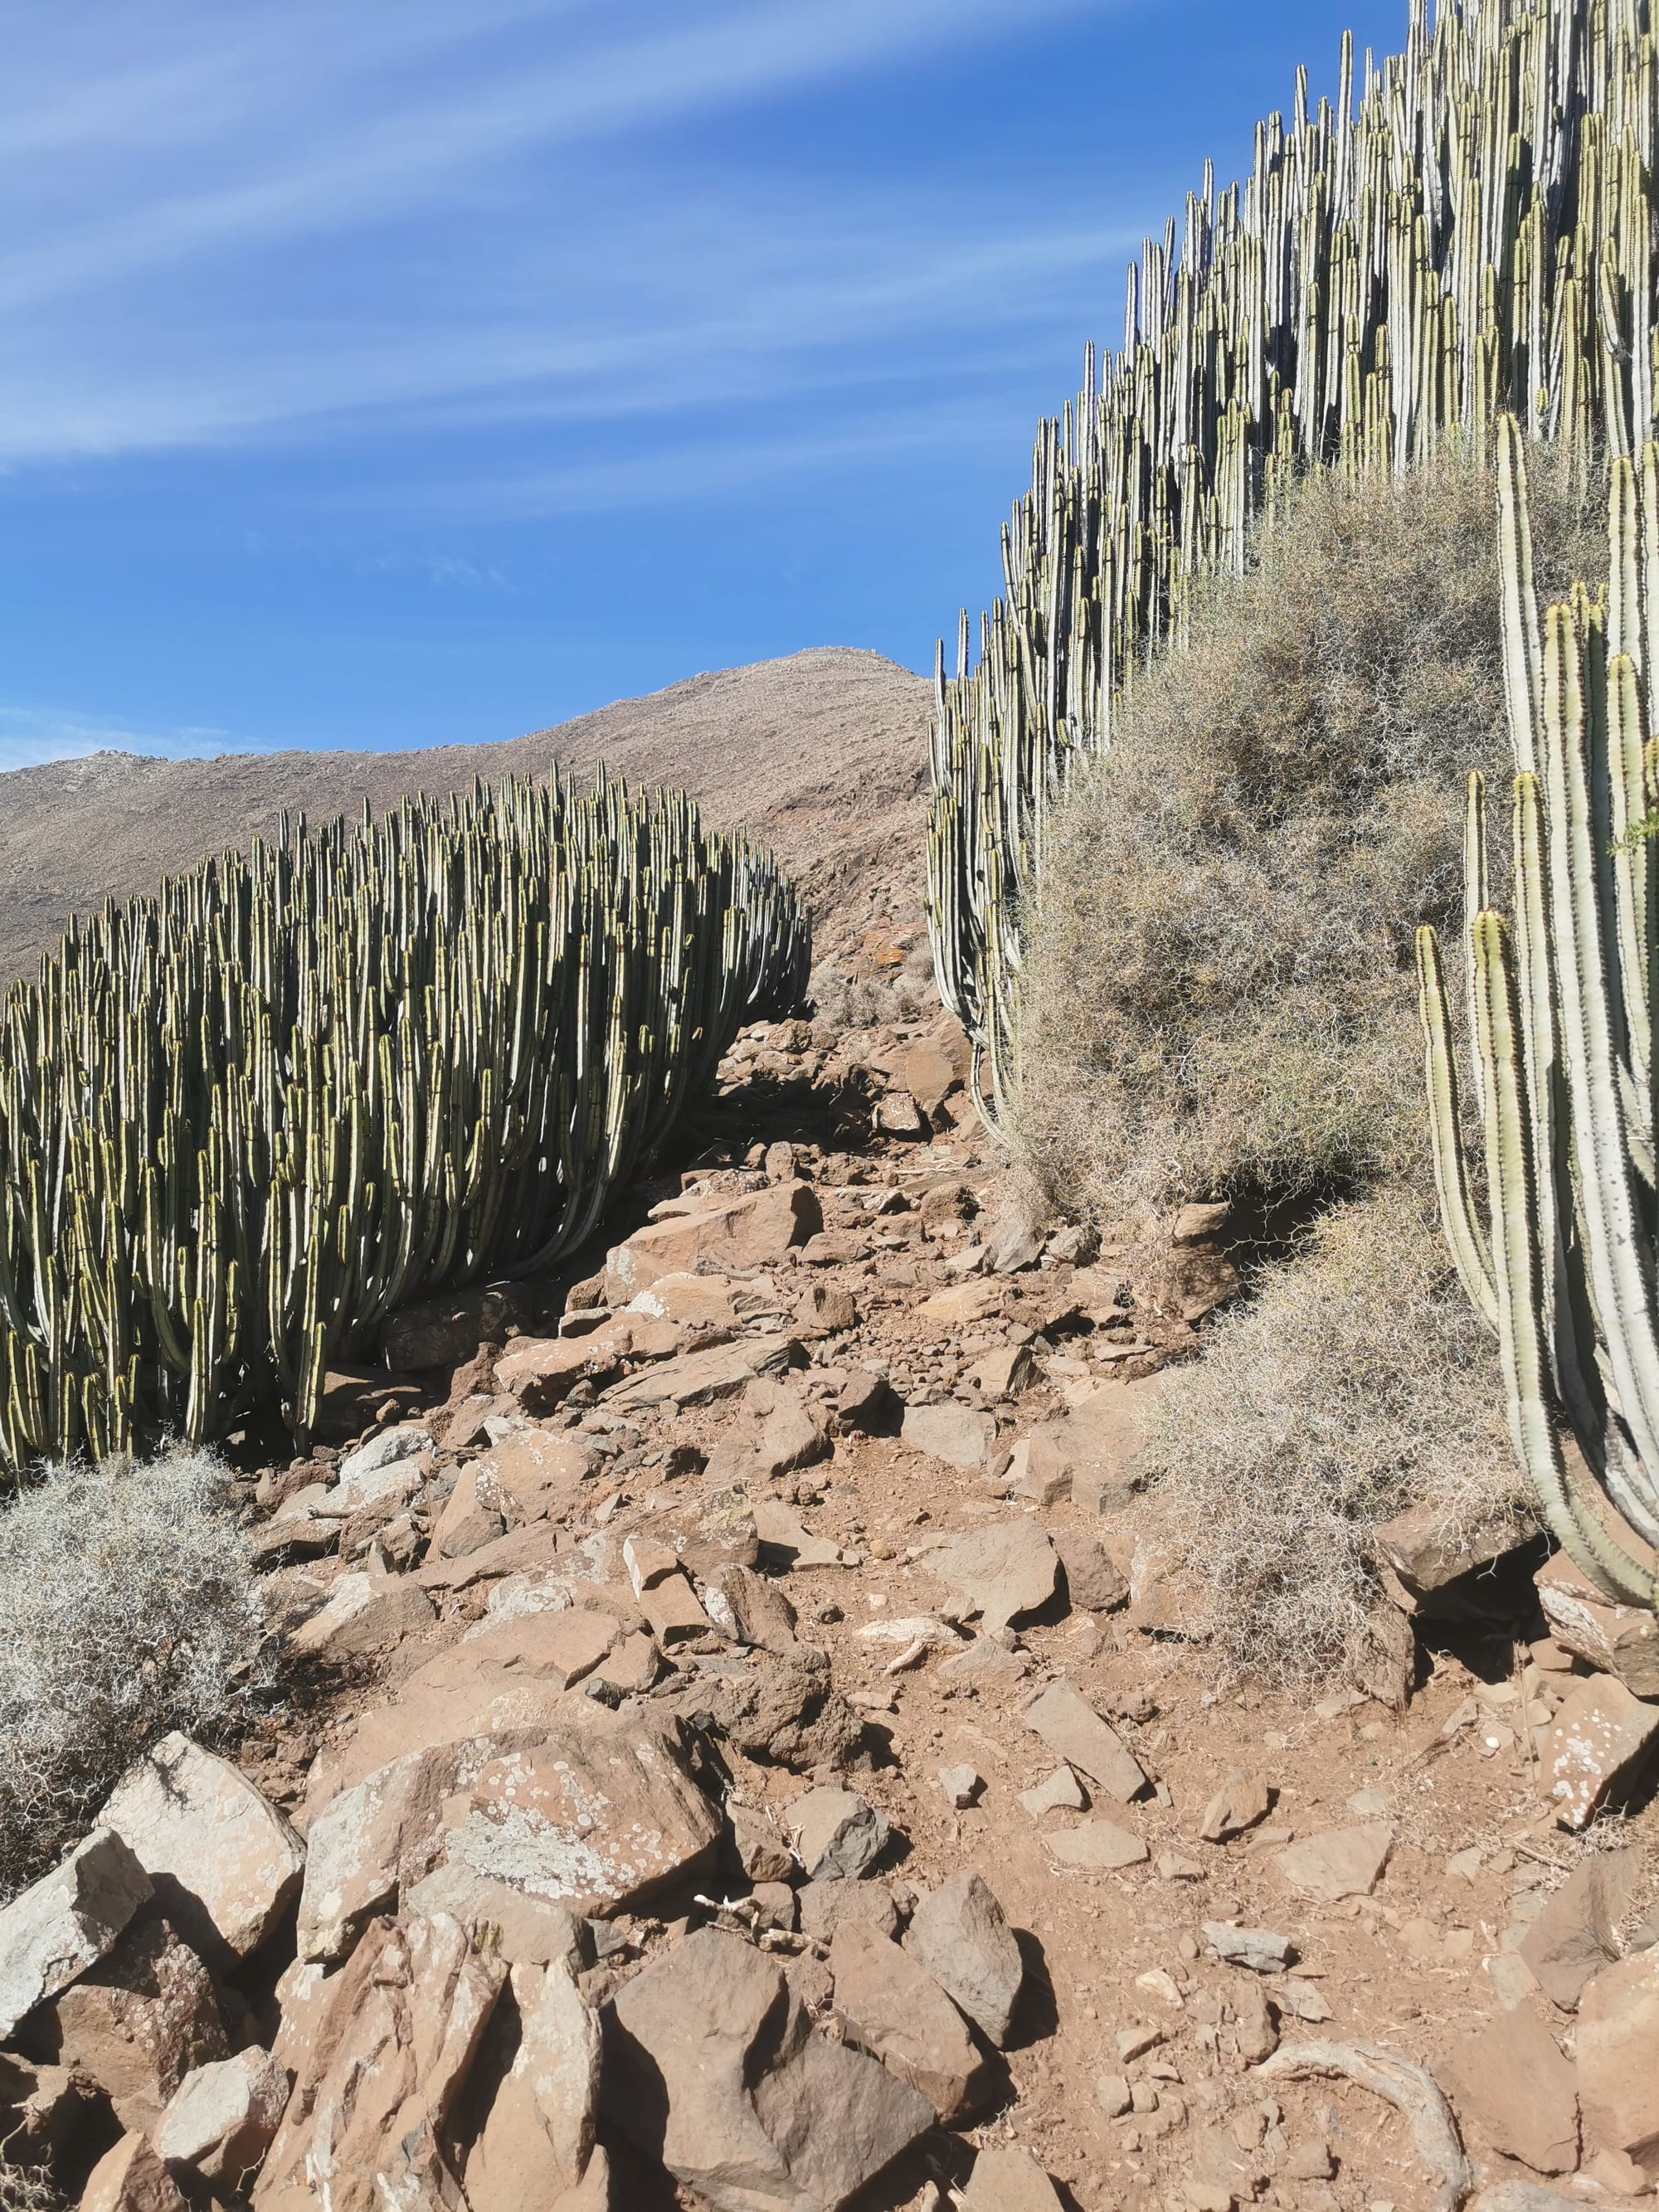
{"points": [[822, 755]]}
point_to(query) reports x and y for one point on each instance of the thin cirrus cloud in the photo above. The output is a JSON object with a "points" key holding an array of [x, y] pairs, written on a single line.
{"points": [[207, 265]]}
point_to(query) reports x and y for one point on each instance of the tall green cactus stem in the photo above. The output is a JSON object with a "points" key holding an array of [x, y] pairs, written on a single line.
{"points": [[242, 1122], [1562, 1036], [1471, 236]]}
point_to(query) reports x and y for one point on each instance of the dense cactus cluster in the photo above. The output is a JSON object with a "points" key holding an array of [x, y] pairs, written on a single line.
{"points": [[241, 1122], [1562, 1000], [1473, 236]]}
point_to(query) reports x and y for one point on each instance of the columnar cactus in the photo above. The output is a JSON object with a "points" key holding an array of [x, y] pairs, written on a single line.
{"points": [[1473, 236], [241, 1122], [1563, 999]]}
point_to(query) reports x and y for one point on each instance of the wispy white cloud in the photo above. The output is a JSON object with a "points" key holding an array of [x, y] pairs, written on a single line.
{"points": [[436, 205], [30, 736]]}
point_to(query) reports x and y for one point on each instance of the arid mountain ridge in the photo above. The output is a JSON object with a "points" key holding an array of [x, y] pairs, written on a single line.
{"points": [[822, 755]]}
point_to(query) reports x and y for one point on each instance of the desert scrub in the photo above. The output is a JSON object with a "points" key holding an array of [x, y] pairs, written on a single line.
{"points": [[1221, 996], [1355, 1381], [129, 1605], [27, 2188]]}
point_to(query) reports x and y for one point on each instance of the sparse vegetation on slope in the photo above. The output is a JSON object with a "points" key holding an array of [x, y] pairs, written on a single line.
{"points": [[1471, 236], [1355, 1381], [128, 1607], [240, 1124], [1221, 998]]}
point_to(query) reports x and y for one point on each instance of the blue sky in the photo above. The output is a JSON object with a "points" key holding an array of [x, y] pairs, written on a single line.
{"points": [[426, 371]]}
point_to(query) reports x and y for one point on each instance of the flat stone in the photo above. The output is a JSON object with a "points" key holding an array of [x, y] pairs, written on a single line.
{"points": [[1059, 1791], [1239, 1803], [697, 1302], [596, 1818], [825, 1907], [898, 2012], [378, 2071], [953, 1433], [1004, 1373], [750, 1229], [1102, 1438], [960, 1933], [368, 1611], [1009, 2181], [1259, 1948], [1095, 1847], [672, 1610], [1595, 1747], [1005, 1572], [67, 1921], [824, 1309], [535, 1474], [1621, 1640], [836, 1833], [699, 1378], [712, 2067], [538, 2139], [751, 1608], [1617, 2037], [1430, 1555], [557, 1647], [1512, 2081], [222, 1862], [785, 1538], [964, 1303], [1342, 1863], [224, 2116], [1576, 1934], [1075, 1732], [139, 2021], [523, 1929]]}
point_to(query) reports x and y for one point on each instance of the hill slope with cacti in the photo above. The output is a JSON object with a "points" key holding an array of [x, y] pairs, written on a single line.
{"points": [[823, 750]]}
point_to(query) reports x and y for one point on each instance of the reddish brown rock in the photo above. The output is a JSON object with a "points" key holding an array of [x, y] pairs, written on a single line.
{"points": [[898, 2012], [138, 2022], [712, 2067], [1576, 1934], [1617, 2037], [1075, 1732], [535, 1474], [130, 2178], [1009, 2181], [751, 1229], [1621, 1640], [1597, 1744], [66, 1922], [224, 1862], [960, 1933], [223, 2116], [538, 2139], [378, 2076], [1512, 2081]]}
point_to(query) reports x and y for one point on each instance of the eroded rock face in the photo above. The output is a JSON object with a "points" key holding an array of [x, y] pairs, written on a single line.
{"points": [[713, 2066], [66, 1922], [594, 1818], [537, 2140], [138, 2022], [377, 2076]]}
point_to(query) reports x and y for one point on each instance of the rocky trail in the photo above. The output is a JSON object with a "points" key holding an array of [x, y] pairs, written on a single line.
{"points": [[745, 1754]]}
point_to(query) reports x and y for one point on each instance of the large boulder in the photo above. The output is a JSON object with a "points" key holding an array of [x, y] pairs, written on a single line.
{"points": [[222, 1861], [714, 2067], [598, 1818], [378, 2075], [750, 1229], [67, 1921]]}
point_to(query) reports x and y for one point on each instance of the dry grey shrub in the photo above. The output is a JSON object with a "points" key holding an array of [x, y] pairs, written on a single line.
{"points": [[1356, 1381], [1221, 996], [27, 2188], [129, 1605]]}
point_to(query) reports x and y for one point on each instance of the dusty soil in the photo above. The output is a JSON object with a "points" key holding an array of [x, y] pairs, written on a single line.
{"points": [[822, 753], [1474, 1850]]}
